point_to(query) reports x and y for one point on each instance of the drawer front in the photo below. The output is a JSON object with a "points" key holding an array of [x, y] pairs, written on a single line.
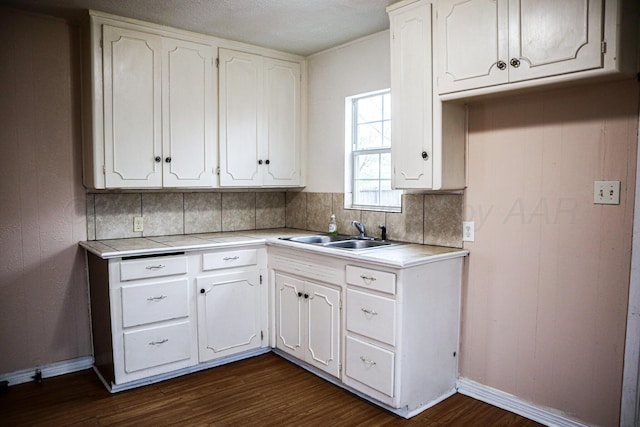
{"points": [[370, 365], [156, 346], [371, 315], [229, 259], [152, 267], [154, 302], [382, 281]]}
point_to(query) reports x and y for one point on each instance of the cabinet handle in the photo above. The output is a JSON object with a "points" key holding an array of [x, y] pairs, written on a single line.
{"points": [[161, 297], [202, 291], [368, 362], [168, 160], [425, 155], [155, 267], [259, 162], [515, 63], [233, 258], [367, 279], [501, 65], [306, 296], [159, 342], [158, 159], [267, 162], [299, 294], [369, 311]]}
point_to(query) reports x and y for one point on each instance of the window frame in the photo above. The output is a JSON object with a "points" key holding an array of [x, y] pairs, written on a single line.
{"points": [[352, 153]]}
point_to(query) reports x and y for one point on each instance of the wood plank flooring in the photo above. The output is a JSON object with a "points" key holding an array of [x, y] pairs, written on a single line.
{"points": [[262, 391]]}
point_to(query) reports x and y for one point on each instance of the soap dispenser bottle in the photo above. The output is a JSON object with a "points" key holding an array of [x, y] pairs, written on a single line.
{"points": [[333, 227]]}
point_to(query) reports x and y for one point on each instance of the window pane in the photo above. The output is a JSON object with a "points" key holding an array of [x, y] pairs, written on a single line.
{"points": [[369, 136], [385, 166], [367, 166], [389, 197], [366, 192], [386, 133], [369, 109], [387, 106]]}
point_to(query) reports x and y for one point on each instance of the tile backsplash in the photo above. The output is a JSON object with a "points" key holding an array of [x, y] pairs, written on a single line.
{"points": [[434, 219]]}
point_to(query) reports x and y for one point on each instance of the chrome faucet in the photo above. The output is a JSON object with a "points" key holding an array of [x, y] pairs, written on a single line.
{"points": [[363, 232]]}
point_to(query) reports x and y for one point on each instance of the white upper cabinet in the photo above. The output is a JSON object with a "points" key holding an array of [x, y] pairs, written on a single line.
{"points": [[427, 137], [188, 135], [132, 108], [151, 110], [486, 43], [260, 119]]}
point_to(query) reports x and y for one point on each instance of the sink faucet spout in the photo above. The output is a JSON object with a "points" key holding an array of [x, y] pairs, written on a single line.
{"points": [[363, 232]]}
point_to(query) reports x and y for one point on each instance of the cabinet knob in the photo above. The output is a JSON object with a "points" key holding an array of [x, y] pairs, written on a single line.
{"points": [[515, 63], [425, 155], [202, 291], [501, 65], [259, 162], [299, 294], [168, 160], [266, 161], [158, 159], [306, 296]]}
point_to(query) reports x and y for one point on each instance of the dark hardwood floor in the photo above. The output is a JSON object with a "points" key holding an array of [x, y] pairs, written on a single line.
{"points": [[262, 391]]}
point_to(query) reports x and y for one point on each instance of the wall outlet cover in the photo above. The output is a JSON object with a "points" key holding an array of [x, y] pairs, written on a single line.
{"points": [[138, 223], [468, 231]]}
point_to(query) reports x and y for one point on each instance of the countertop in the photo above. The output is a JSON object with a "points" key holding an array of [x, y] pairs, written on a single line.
{"points": [[401, 256]]}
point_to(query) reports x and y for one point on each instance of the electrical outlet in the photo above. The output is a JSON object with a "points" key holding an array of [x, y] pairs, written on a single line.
{"points": [[138, 223], [468, 231], [606, 193]]}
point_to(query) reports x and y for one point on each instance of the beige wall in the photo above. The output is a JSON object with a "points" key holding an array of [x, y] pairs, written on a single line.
{"points": [[545, 297], [43, 291]]}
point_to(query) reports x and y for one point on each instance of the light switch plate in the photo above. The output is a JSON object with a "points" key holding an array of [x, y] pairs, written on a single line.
{"points": [[468, 231], [606, 193]]}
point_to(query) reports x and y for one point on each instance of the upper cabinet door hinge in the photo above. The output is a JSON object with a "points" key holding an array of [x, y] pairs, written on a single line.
{"points": [[261, 335], [217, 62], [261, 279], [603, 46]]}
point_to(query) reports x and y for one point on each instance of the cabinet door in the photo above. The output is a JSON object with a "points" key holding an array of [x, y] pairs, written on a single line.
{"points": [[473, 44], [189, 140], [411, 97], [549, 37], [282, 123], [289, 318], [240, 118], [229, 313], [323, 327], [132, 108]]}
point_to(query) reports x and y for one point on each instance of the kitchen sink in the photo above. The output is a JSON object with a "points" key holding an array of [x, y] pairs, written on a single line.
{"points": [[341, 242]]}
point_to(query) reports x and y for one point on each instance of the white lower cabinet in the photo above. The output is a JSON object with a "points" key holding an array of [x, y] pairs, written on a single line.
{"points": [[308, 322], [396, 337], [229, 314], [154, 317]]}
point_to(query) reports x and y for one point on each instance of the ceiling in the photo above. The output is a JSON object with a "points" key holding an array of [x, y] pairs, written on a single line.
{"points": [[302, 27]]}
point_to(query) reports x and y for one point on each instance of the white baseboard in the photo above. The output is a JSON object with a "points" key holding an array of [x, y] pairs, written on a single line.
{"points": [[511, 403], [51, 370]]}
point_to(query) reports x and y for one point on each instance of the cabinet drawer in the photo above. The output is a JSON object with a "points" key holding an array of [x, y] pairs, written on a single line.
{"points": [[154, 302], [229, 259], [370, 365], [156, 346], [371, 315], [382, 281], [152, 267]]}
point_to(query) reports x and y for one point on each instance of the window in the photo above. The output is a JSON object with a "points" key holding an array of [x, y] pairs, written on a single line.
{"points": [[368, 137]]}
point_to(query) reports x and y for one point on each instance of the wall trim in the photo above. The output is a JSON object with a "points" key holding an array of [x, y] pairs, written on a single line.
{"points": [[50, 370], [511, 403]]}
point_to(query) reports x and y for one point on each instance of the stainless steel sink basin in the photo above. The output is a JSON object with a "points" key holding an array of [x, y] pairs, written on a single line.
{"points": [[359, 244], [341, 242], [316, 239]]}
